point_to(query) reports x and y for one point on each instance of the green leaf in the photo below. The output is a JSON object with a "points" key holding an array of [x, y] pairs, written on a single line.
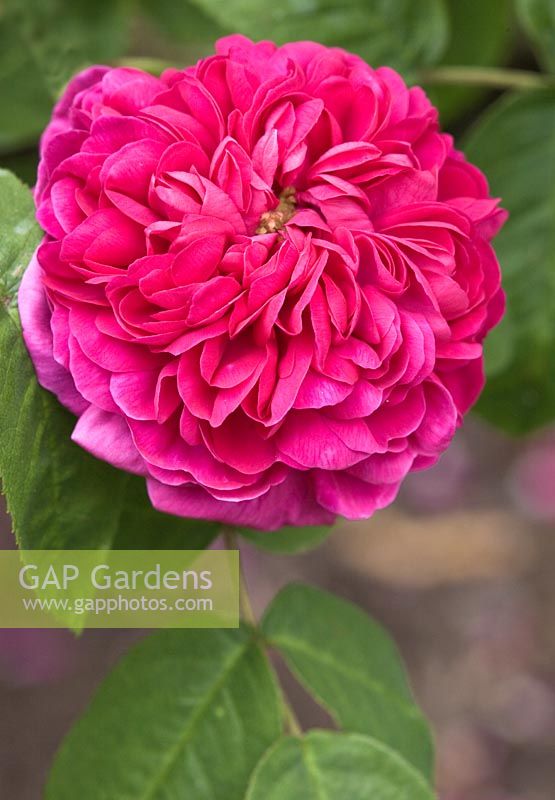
{"points": [[19, 237], [288, 540], [58, 495], [514, 142], [481, 35], [186, 714], [351, 667], [42, 44], [399, 33], [538, 20], [327, 766]]}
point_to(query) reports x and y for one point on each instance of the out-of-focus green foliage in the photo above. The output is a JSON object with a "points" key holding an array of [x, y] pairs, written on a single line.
{"points": [[515, 144], [402, 34], [42, 43], [23, 163], [183, 21], [481, 35], [538, 19]]}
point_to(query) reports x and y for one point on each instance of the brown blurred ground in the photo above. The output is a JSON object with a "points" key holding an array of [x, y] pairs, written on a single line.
{"points": [[461, 570]]}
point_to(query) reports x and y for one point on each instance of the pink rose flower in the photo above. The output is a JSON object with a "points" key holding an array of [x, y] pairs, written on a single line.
{"points": [[264, 283]]}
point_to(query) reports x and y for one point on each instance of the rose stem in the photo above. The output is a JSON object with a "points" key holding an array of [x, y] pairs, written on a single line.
{"points": [[248, 616]]}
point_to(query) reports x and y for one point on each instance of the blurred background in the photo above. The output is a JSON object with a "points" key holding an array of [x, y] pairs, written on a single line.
{"points": [[461, 569]]}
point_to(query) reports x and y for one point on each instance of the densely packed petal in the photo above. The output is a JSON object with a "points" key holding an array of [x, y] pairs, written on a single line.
{"points": [[264, 283]]}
